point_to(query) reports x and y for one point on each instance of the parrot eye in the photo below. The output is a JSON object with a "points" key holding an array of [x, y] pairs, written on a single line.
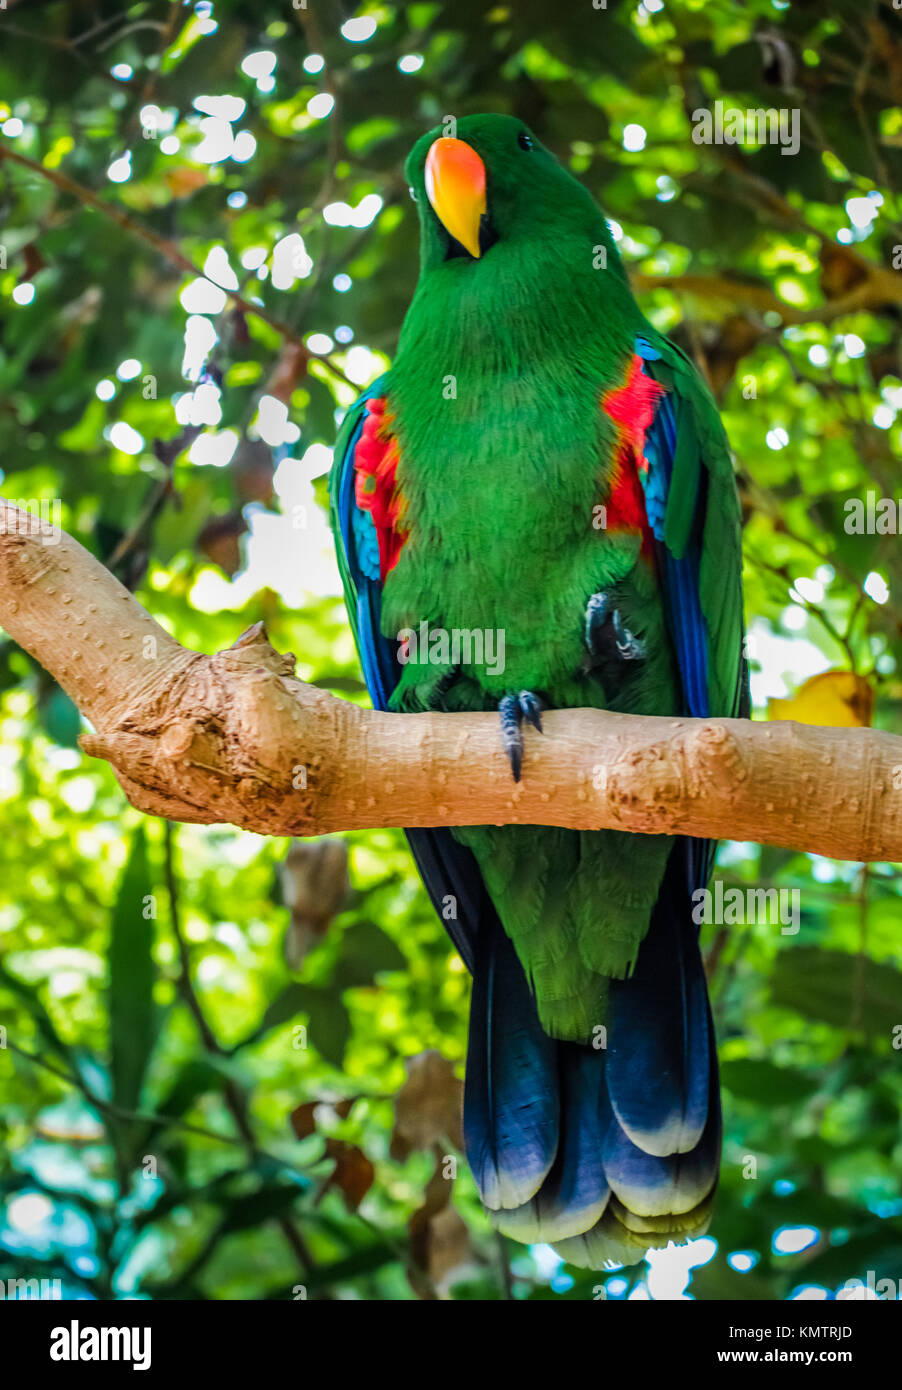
{"points": [[524, 140], [413, 193]]}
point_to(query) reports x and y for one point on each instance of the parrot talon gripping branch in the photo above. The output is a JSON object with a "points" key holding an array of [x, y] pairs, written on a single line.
{"points": [[609, 642], [512, 710]]}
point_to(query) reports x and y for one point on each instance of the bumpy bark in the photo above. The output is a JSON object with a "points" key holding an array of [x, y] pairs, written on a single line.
{"points": [[235, 737]]}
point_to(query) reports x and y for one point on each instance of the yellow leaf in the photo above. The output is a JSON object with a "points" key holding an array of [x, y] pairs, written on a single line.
{"points": [[839, 699]]}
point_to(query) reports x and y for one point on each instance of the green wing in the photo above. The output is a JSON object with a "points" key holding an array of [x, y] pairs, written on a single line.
{"points": [[693, 508]]}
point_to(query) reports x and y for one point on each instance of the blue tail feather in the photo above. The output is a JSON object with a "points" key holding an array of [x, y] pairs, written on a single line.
{"points": [[511, 1099], [650, 1185], [576, 1191], [658, 1067], [604, 1153]]}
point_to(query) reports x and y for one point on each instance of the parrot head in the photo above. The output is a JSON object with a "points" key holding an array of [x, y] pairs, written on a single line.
{"points": [[492, 188]]}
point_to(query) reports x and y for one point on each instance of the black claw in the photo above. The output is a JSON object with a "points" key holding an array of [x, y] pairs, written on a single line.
{"points": [[629, 647], [603, 622], [510, 715], [596, 617], [531, 707], [512, 710]]}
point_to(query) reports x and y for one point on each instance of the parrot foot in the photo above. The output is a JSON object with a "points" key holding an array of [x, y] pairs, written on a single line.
{"points": [[605, 628], [512, 710]]}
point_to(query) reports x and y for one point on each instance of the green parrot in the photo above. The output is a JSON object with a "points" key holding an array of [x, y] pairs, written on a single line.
{"points": [[535, 508]]}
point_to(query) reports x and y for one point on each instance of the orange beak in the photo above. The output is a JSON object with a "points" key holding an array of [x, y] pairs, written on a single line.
{"points": [[455, 186]]}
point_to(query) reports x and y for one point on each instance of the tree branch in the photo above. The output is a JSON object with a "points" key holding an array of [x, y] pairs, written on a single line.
{"points": [[882, 289], [236, 737]]}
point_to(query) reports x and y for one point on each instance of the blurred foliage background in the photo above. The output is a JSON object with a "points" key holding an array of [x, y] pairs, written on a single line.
{"points": [[230, 1066]]}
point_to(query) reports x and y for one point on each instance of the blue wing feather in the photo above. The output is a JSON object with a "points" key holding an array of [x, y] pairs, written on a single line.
{"points": [[679, 576]]}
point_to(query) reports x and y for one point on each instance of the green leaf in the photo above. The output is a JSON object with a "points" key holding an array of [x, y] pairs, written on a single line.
{"points": [[329, 1025], [132, 974], [365, 1261], [346, 685], [196, 1078], [365, 951], [751, 1078], [717, 1280], [247, 1211], [287, 1005], [40, 1017], [840, 989], [880, 1251], [223, 1191]]}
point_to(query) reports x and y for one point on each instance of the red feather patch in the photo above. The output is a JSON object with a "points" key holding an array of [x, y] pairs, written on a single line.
{"points": [[632, 408], [375, 483]]}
